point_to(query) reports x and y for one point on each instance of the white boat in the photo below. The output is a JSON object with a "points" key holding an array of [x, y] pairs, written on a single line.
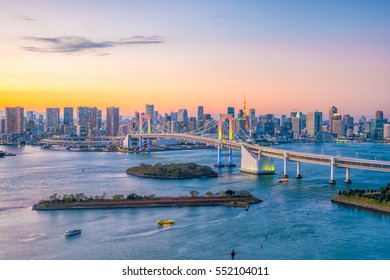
{"points": [[70, 232]]}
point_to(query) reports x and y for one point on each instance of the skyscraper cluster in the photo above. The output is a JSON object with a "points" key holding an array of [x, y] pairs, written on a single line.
{"points": [[90, 122]]}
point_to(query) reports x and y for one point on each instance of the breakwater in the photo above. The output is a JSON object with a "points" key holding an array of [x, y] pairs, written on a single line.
{"points": [[155, 202]]}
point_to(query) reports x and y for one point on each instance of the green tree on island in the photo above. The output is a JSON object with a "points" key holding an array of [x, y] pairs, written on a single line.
{"points": [[209, 194], [118, 197], [194, 193]]}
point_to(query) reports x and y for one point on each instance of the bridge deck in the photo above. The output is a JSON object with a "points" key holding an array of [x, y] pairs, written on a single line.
{"points": [[274, 153]]}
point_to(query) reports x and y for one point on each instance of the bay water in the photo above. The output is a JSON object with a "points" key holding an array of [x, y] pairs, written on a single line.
{"points": [[296, 220]]}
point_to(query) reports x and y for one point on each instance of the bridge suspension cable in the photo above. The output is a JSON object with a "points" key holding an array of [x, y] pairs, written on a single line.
{"points": [[203, 129]]}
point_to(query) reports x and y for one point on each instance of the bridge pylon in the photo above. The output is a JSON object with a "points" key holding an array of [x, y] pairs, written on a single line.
{"points": [[141, 131], [222, 118]]}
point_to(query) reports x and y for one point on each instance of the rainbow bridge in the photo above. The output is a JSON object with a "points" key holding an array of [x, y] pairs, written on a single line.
{"points": [[255, 159]]}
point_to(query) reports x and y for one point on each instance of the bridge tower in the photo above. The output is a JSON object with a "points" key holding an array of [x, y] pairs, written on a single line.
{"points": [[221, 140], [141, 130]]}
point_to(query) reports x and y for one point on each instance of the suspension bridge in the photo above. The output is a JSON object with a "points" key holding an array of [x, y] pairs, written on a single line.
{"points": [[255, 159]]}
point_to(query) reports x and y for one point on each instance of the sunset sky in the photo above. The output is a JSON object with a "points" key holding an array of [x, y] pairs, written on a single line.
{"points": [[283, 55]]}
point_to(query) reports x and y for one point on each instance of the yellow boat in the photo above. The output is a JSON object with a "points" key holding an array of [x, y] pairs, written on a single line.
{"points": [[165, 222], [284, 180]]}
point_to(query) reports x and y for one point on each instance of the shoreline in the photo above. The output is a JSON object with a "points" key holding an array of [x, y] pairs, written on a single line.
{"points": [[140, 175], [243, 202], [362, 203]]}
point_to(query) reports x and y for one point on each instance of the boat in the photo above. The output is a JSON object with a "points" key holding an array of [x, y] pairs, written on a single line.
{"points": [[2, 154], [71, 232], [165, 222], [284, 180]]}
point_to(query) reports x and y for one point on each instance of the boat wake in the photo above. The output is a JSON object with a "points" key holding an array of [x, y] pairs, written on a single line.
{"points": [[33, 237], [141, 234], [3, 209]]}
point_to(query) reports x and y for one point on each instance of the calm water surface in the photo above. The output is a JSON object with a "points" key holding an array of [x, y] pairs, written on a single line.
{"points": [[297, 220]]}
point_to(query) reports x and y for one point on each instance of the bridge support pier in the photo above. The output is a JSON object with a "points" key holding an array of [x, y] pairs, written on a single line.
{"points": [[140, 143], [219, 158], [148, 141], [298, 176], [332, 181], [347, 180], [285, 176], [230, 160]]}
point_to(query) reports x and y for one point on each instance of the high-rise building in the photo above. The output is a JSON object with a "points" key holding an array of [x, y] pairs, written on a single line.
{"points": [[30, 116], [52, 119], [2, 125], [68, 116], [182, 116], [276, 123], [149, 109], [338, 126], [191, 124], [283, 119], [314, 123], [386, 131], [252, 118], [379, 115], [297, 124], [269, 128], [206, 117], [14, 119], [83, 116], [230, 110], [348, 121], [332, 111], [240, 114], [112, 122], [99, 121], [123, 129], [200, 113], [239, 126], [87, 120], [136, 117], [376, 128], [94, 116]]}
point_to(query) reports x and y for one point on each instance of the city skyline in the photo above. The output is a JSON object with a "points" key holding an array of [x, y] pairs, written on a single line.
{"points": [[282, 55], [191, 113]]}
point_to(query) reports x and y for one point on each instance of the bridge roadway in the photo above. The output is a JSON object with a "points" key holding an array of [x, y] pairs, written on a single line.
{"points": [[343, 162]]}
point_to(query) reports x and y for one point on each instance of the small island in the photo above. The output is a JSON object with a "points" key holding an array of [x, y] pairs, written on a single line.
{"points": [[373, 199], [172, 171], [228, 198]]}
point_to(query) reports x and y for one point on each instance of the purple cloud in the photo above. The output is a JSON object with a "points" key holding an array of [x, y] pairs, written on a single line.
{"points": [[73, 44]]}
